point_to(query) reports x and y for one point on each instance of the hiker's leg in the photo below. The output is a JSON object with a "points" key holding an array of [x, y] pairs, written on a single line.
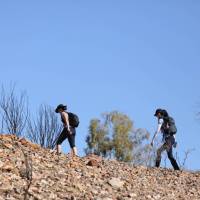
{"points": [[58, 148], [170, 153], [71, 139], [74, 151], [158, 157], [172, 160], [60, 140]]}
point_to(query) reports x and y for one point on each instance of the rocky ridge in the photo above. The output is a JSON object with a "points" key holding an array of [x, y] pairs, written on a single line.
{"points": [[28, 171]]}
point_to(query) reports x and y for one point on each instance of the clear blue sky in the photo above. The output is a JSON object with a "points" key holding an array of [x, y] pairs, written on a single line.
{"points": [[97, 56]]}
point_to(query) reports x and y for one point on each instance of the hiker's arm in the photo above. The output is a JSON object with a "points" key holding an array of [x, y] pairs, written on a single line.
{"points": [[160, 123], [154, 136], [66, 119]]}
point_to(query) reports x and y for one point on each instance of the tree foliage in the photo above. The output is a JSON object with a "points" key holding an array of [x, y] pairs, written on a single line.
{"points": [[115, 137], [97, 139]]}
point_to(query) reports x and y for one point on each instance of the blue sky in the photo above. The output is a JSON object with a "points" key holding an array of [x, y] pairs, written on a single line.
{"points": [[99, 56]]}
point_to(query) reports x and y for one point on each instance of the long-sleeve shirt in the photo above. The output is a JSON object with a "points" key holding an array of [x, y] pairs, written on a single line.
{"points": [[160, 123], [158, 130]]}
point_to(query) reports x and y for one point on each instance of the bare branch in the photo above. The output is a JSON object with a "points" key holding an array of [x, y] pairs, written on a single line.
{"points": [[45, 129], [186, 156], [187, 153], [15, 111]]}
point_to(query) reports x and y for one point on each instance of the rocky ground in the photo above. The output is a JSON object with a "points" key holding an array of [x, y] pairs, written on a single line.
{"points": [[28, 171]]}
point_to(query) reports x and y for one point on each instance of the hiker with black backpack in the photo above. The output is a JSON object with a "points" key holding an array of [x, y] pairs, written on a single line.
{"points": [[166, 125], [70, 123]]}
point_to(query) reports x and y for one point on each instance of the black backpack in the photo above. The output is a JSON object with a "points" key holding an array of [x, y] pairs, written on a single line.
{"points": [[73, 120], [169, 124]]}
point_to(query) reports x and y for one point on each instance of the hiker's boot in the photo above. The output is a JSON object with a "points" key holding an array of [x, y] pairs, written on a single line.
{"points": [[157, 163], [174, 164]]}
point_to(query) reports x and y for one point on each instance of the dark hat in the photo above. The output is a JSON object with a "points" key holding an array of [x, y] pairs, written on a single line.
{"points": [[159, 110], [60, 106]]}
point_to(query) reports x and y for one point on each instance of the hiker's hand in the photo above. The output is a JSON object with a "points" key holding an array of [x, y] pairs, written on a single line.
{"points": [[69, 131]]}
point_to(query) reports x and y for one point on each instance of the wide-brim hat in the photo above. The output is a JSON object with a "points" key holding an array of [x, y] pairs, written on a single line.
{"points": [[60, 106]]}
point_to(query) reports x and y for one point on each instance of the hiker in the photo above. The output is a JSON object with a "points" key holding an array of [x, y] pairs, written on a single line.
{"points": [[166, 125], [70, 122]]}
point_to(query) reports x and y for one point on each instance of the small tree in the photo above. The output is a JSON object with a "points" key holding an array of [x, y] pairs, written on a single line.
{"points": [[15, 111], [45, 129], [115, 137], [121, 128], [97, 140]]}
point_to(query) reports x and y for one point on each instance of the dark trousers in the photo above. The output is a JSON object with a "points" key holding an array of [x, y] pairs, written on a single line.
{"points": [[167, 146], [66, 135]]}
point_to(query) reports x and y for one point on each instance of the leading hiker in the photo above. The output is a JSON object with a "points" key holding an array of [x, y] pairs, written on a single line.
{"points": [[70, 122], [166, 125]]}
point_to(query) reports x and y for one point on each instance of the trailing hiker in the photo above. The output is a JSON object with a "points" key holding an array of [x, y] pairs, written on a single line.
{"points": [[166, 125], [70, 123]]}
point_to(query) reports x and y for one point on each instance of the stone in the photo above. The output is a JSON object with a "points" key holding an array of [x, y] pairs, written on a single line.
{"points": [[7, 145], [132, 195], [93, 163], [116, 183], [5, 187], [7, 167]]}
